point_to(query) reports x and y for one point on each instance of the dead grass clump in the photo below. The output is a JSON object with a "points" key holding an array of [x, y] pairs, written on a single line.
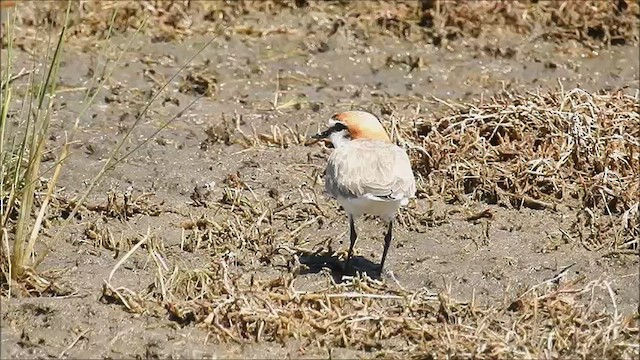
{"points": [[609, 22], [593, 24], [241, 224], [222, 236], [538, 150], [277, 136], [133, 301], [101, 236], [246, 221], [200, 80], [119, 205], [125, 205], [551, 319]]}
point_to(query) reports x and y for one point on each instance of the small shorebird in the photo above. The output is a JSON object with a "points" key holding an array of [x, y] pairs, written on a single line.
{"points": [[366, 172]]}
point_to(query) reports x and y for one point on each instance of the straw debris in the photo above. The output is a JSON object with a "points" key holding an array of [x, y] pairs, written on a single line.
{"points": [[536, 150], [553, 319], [593, 24], [570, 152]]}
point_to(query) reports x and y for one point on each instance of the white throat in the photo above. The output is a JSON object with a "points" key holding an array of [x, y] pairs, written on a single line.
{"points": [[339, 138]]}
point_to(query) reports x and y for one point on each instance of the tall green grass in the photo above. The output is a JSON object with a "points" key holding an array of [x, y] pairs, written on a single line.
{"points": [[22, 149], [22, 145]]}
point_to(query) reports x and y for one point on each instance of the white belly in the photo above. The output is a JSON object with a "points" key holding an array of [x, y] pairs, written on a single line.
{"points": [[386, 209]]}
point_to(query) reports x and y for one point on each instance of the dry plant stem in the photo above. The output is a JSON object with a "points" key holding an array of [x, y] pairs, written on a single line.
{"points": [[112, 161], [22, 73], [38, 138], [128, 254], [363, 312], [102, 171], [119, 291], [43, 208], [7, 251], [78, 338], [4, 213]]}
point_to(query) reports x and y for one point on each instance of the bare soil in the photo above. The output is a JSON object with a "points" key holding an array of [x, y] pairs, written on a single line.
{"points": [[234, 187]]}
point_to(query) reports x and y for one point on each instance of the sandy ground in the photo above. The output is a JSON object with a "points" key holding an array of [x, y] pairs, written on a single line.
{"points": [[192, 168]]}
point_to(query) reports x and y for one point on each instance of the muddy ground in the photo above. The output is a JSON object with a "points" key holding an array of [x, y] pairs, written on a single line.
{"points": [[202, 167]]}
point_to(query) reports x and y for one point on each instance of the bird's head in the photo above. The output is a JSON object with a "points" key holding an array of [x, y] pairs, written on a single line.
{"points": [[352, 125]]}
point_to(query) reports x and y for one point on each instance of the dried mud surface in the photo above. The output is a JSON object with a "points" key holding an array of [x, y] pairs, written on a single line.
{"points": [[232, 186]]}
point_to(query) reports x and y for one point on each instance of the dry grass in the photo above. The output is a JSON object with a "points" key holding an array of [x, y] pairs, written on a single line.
{"points": [[566, 148], [593, 24], [553, 150], [21, 158], [553, 319], [540, 150], [569, 149], [557, 150], [22, 146], [230, 131]]}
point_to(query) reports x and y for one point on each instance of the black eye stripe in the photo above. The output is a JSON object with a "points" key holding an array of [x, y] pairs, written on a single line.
{"points": [[339, 126]]}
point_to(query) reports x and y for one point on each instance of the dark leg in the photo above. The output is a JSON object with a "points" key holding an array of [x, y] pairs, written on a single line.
{"points": [[353, 236], [387, 242]]}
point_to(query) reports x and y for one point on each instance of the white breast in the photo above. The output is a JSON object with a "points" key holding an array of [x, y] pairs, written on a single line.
{"points": [[371, 205]]}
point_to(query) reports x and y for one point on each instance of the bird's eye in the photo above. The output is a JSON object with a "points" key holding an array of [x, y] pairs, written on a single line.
{"points": [[339, 126]]}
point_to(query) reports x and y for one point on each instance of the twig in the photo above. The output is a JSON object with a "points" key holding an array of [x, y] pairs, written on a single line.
{"points": [[128, 254], [351, 295], [82, 334], [15, 77], [554, 279], [486, 213], [622, 252]]}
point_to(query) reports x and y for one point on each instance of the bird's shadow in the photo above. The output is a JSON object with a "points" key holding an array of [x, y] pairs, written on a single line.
{"points": [[316, 262]]}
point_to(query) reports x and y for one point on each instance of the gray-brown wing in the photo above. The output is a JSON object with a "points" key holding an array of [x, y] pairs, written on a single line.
{"points": [[370, 167]]}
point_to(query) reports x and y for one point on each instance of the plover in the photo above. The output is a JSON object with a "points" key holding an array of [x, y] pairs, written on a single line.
{"points": [[366, 173]]}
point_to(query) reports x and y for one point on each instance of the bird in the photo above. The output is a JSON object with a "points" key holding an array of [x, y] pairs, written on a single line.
{"points": [[366, 173]]}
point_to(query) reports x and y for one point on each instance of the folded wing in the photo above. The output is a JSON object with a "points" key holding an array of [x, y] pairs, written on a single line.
{"points": [[372, 169]]}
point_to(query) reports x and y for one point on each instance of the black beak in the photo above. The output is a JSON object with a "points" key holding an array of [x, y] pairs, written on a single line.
{"points": [[322, 135]]}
